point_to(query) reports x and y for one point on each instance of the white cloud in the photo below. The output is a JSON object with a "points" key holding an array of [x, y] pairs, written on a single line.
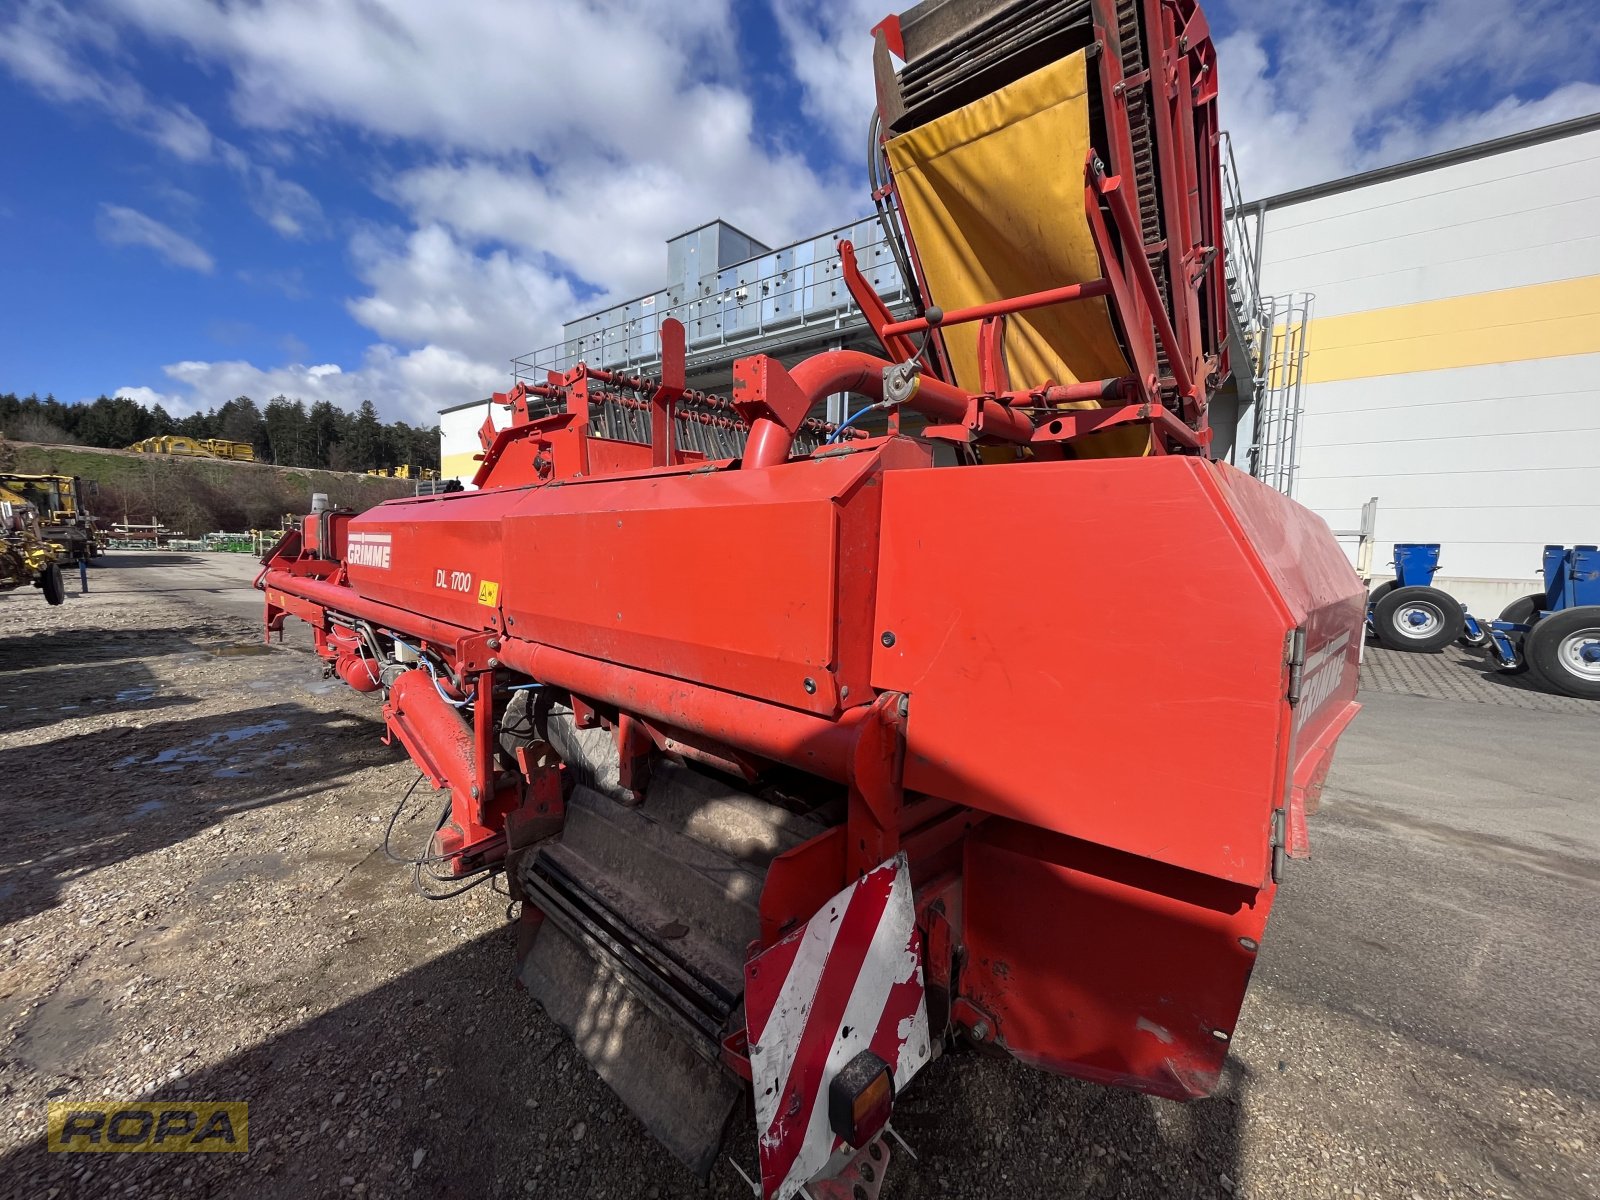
{"points": [[829, 46], [405, 386], [495, 76], [432, 290], [119, 226], [561, 142], [624, 133], [75, 58], [48, 46], [1316, 89], [283, 204], [608, 223]]}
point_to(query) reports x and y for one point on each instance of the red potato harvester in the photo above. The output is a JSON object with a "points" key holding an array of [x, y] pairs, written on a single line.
{"points": [[806, 759]]}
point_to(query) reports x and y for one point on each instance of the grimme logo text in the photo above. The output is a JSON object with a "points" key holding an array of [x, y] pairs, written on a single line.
{"points": [[144, 1127]]}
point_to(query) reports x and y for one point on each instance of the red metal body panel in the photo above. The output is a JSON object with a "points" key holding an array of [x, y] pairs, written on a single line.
{"points": [[762, 620], [1089, 962], [441, 551], [1143, 641]]}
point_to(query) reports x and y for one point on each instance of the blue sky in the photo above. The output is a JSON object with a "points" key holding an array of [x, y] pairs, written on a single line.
{"points": [[390, 199]]}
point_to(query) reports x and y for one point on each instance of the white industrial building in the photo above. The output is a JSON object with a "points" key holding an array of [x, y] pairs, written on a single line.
{"points": [[1451, 363], [1433, 343]]}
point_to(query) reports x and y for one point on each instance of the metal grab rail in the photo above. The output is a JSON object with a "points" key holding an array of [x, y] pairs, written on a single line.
{"points": [[782, 302], [1242, 264]]}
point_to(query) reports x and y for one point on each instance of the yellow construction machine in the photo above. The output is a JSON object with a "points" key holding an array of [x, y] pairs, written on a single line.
{"points": [[25, 556]]}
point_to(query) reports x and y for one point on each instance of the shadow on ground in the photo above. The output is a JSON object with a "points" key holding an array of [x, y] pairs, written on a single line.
{"points": [[44, 695], [454, 1061], [142, 558], [90, 803]]}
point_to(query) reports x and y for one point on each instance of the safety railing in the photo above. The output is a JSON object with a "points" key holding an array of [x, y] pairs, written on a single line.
{"points": [[790, 300], [1242, 265]]}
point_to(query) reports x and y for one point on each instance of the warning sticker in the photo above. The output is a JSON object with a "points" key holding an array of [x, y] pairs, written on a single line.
{"points": [[488, 593]]}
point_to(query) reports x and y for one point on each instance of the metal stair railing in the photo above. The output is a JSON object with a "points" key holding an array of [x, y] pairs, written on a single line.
{"points": [[1242, 266]]}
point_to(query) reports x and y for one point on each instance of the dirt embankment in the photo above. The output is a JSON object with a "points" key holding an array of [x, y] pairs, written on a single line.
{"points": [[197, 495]]}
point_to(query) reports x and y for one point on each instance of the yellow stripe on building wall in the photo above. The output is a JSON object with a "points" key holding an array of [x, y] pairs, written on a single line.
{"points": [[1542, 320], [459, 466]]}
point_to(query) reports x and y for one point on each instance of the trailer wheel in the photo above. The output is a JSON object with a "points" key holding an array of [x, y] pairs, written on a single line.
{"points": [[1520, 612], [1382, 590], [1417, 618], [1564, 651], [51, 583]]}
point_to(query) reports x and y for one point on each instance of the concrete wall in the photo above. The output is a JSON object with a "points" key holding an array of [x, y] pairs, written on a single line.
{"points": [[1453, 357]]}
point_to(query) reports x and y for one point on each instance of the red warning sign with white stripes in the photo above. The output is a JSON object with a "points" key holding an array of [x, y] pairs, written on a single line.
{"points": [[848, 980]]}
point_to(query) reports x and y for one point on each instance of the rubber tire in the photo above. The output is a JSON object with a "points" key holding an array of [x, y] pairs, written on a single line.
{"points": [[1473, 643], [1452, 622], [1376, 594], [53, 586], [1543, 650], [1520, 612]]}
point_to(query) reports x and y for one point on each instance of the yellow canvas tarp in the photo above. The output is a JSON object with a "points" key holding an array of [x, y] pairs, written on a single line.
{"points": [[993, 194]]}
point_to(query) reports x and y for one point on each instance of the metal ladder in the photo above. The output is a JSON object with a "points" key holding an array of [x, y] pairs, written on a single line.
{"points": [[1275, 444]]}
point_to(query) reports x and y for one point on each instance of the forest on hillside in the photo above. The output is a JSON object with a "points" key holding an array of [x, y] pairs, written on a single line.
{"points": [[286, 432]]}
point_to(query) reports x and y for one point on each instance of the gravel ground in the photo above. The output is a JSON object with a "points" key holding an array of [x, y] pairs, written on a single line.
{"points": [[193, 902]]}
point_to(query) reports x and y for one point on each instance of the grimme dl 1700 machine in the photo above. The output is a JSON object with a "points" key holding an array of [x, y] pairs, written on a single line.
{"points": [[994, 712]]}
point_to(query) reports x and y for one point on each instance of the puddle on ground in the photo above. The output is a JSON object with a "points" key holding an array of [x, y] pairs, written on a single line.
{"points": [[136, 694], [148, 807], [247, 650], [258, 866], [212, 750], [57, 1033]]}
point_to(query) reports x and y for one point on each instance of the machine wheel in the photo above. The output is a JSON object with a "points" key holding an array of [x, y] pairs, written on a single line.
{"points": [[1564, 651], [1481, 640], [1520, 612], [53, 586], [1417, 618], [1382, 590]]}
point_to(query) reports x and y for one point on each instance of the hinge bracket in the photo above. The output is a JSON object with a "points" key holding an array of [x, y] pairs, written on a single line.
{"points": [[1297, 663]]}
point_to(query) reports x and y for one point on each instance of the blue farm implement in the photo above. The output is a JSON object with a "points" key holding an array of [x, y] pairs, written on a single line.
{"points": [[1555, 633], [1409, 613]]}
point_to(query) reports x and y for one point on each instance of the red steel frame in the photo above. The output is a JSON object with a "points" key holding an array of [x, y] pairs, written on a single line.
{"points": [[1182, 87]]}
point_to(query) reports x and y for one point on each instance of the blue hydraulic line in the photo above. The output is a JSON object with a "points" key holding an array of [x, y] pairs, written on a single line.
{"points": [[851, 420], [434, 675]]}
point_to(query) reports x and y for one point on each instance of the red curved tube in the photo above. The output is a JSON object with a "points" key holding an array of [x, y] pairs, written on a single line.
{"points": [[852, 371]]}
